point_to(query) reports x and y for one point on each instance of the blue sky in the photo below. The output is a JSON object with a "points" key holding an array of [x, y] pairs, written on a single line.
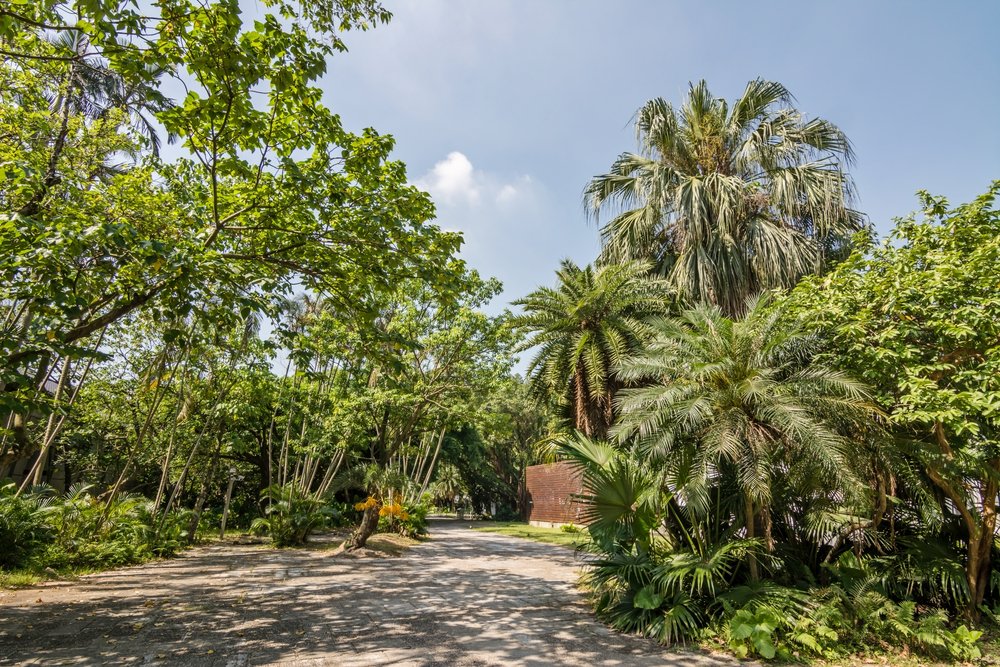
{"points": [[504, 110]]}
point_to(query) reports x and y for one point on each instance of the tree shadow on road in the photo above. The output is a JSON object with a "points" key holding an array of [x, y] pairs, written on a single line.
{"points": [[232, 605]]}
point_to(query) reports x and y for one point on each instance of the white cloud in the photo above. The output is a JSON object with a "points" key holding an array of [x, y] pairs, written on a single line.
{"points": [[507, 194], [454, 181]]}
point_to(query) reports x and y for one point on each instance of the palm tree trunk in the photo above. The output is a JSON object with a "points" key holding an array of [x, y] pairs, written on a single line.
{"points": [[751, 527], [581, 408]]}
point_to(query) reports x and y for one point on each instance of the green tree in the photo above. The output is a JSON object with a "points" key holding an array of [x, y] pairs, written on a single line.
{"points": [[516, 427], [435, 361], [728, 201], [592, 320], [271, 193], [745, 400], [918, 317]]}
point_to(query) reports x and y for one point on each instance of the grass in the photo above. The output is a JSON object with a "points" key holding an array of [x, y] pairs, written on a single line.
{"points": [[26, 577], [22, 578], [536, 533]]}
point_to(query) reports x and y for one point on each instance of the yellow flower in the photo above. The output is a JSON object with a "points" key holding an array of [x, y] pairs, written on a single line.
{"points": [[371, 502], [393, 509]]}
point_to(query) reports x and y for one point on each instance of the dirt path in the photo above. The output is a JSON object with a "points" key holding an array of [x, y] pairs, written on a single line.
{"points": [[462, 598]]}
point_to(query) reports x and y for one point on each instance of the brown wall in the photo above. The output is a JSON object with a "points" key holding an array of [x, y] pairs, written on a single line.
{"points": [[551, 487]]}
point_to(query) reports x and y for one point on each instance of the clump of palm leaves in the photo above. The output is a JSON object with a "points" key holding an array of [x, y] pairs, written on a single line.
{"points": [[593, 319], [23, 526], [41, 528], [728, 199], [291, 514], [93, 533]]}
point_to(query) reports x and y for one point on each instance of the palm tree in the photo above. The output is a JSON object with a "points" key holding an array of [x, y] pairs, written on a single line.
{"points": [[742, 402], [592, 320], [93, 89], [448, 484], [728, 201]]}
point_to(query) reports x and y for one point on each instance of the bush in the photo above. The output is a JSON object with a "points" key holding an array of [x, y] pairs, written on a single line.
{"points": [[676, 595], [172, 535], [665, 576], [405, 519], [42, 529], [292, 515], [24, 530]]}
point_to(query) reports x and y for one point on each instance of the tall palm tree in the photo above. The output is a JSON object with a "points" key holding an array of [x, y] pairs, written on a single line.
{"points": [[742, 402], [583, 327], [728, 201]]}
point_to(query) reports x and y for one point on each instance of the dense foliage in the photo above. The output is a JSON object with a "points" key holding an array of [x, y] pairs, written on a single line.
{"points": [[42, 528], [917, 318], [818, 476], [147, 292], [797, 474]]}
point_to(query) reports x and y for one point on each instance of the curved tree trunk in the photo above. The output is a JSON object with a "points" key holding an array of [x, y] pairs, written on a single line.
{"points": [[369, 523]]}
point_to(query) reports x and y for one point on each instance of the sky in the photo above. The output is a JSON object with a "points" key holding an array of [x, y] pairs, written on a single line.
{"points": [[504, 110]]}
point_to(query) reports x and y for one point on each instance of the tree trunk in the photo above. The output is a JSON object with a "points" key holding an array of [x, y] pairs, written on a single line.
{"points": [[978, 567], [580, 406], [430, 470], [981, 530], [199, 504], [225, 506], [367, 528], [751, 526]]}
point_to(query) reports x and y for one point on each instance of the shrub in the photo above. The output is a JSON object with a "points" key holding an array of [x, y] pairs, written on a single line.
{"points": [[406, 519], [291, 515], [661, 574], [93, 534], [42, 529], [23, 527]]}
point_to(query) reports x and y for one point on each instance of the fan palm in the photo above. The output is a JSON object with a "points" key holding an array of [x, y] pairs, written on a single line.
{"points": [[744, 401], [448, 483], [728, 201], [93, 89], [589, 322]]}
